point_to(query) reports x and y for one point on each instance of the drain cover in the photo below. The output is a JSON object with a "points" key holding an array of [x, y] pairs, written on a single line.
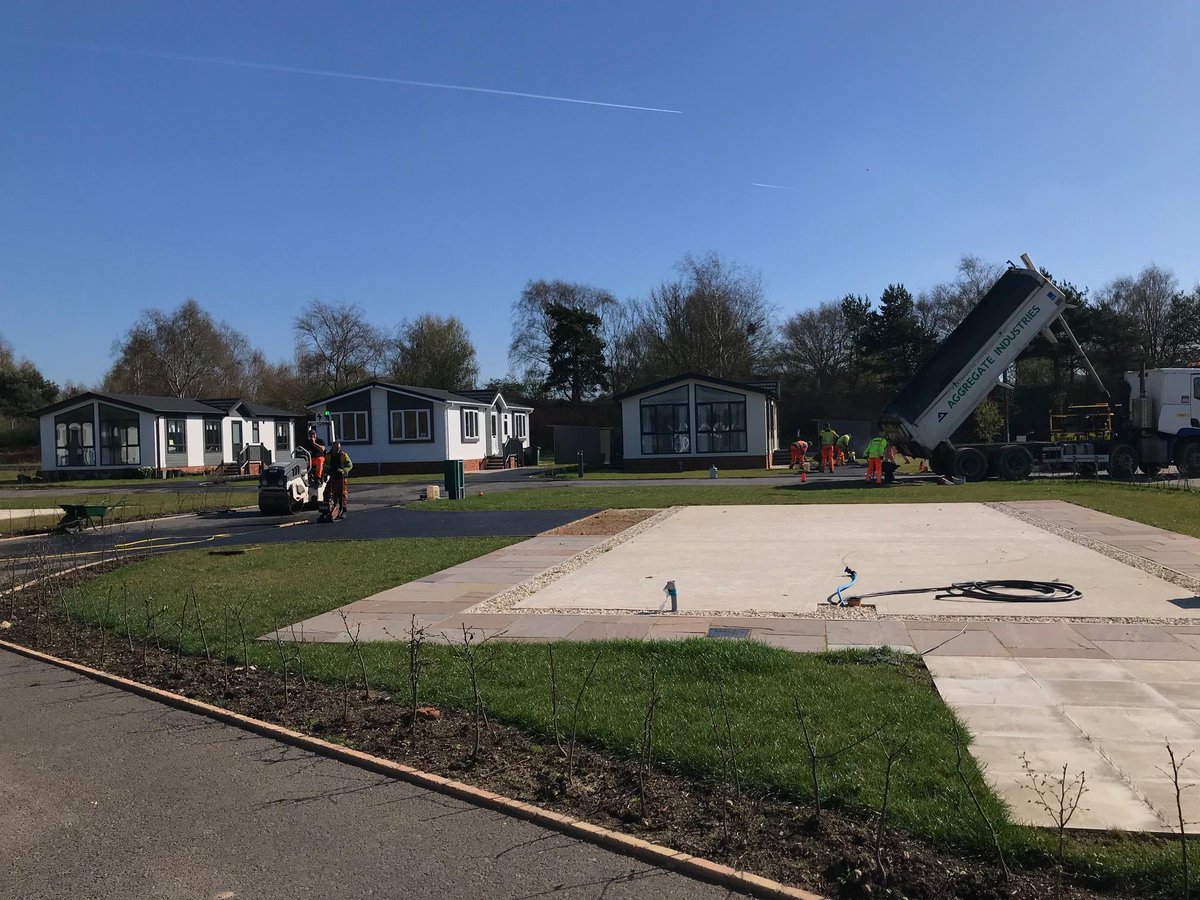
{"points": [[717, 632]]}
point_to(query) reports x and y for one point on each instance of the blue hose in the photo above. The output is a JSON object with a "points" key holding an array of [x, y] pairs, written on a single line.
{"points": [[841, 601]]}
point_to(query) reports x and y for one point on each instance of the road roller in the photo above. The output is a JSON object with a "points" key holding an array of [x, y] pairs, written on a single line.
{"points": [[290, 485]]}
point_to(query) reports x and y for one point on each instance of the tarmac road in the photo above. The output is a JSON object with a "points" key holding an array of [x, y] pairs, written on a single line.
{"points": [[106, 794]]}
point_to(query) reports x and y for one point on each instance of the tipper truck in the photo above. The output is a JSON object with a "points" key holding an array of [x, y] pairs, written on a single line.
{"points": [[1158, 426]]}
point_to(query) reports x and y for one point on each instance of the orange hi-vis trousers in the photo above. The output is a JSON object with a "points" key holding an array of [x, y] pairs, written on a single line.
{"points": [[827, 457], [797, 455], [875, 467], [841, 455]]}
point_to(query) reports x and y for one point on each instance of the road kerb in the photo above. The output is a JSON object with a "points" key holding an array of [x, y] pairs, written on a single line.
{"points": [[656, 854]]}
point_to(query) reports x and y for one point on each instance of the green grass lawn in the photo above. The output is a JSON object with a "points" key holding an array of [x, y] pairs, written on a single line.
{"points": [[136, 505], [846, 695], [692, 473], [1159, 506]]}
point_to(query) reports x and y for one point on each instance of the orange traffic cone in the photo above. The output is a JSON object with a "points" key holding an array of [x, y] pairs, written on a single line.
{"points": [[803, 476]]}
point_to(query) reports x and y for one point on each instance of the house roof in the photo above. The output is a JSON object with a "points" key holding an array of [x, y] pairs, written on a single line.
{"points": [[470, 397], [153, 404], [253, 409], [758, 387]]}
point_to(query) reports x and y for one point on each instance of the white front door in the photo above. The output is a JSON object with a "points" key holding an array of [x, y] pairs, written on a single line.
{"points": [[493, 434]]}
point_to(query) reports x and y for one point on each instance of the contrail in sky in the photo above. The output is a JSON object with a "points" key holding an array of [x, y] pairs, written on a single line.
{"points": [[354, 76], [778, 187]]}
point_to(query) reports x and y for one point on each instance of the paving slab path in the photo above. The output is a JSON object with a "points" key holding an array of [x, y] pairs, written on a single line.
{"points": [[107, 794]]}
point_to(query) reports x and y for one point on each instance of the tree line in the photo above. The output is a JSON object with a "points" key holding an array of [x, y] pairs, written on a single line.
{"points": [[578, 342], [713, 318]]}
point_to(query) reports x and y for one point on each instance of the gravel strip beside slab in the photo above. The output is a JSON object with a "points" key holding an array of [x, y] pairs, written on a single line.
{"points": [[1149, 566], [507, 599]]}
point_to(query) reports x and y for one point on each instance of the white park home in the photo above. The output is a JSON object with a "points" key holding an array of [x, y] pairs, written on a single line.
{"points": [[695, 421], [97, 433], [394, 428]]}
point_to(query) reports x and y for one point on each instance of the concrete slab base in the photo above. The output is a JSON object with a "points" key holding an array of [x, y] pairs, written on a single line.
{"points": [[788, 559]]}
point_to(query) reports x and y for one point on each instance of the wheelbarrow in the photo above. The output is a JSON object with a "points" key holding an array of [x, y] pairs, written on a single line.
{"points": [[77, 516]]}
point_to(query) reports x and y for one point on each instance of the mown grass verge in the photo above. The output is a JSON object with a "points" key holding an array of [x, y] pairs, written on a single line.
{"points": [[1160, 506], [128, 506], [846, 696]]}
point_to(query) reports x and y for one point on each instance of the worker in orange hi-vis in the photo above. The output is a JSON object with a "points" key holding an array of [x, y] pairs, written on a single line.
{"points": [[876, 452], [799, 450], [829, 439]]}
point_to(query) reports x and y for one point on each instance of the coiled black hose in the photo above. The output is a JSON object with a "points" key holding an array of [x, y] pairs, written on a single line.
{"points": [[1004, 590]]}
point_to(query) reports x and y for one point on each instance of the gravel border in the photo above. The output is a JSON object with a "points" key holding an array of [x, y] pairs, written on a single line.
{"points": [[1149, 566], [509, 598]]}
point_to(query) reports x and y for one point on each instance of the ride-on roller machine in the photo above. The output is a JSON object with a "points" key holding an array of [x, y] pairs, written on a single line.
{"points": [[290, 485]]}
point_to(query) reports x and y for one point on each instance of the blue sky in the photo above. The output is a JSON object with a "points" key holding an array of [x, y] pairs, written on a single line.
{"points": [[908, 134]]}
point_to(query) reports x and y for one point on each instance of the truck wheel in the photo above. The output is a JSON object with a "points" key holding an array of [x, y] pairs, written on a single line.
{"points": [[1014, 463], [1123, 461], [970, 463], [941, 462], [1187, 459]]}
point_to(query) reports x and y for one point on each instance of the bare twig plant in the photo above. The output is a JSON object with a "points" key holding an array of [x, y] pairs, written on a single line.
{"points": [[416, 662], [960, 769], [646, 754], [893, 753], [354, 650], [816, 756], [200, 625], [476, 656], [554, 703], [284, 661], [1058, 796], [583, 686], [1177, 764], [298, 644]]}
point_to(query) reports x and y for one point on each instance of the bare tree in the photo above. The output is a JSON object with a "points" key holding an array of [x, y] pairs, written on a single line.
{"points": [[713, 319], [434, 351], [180, 353], [946, 304], [1148, 300], [336, 347], [817, 345]]}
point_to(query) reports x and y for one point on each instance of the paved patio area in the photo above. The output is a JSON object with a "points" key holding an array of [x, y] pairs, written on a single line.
{"points": [[788, 559]]}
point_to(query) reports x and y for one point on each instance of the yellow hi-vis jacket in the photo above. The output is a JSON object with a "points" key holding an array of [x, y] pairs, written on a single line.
{"points": [[828, 437], [877, 448], [844, 441]]}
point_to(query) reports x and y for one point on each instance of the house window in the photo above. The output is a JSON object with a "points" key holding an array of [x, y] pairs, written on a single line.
{"points": [[212, 436], [519, 422], [493, 417], [255, 434], [119, 444], [665, 423], [283, 438], [177, 435], [410, 425], [351, 427], [720, 421], [74, 438], [470, 424]]}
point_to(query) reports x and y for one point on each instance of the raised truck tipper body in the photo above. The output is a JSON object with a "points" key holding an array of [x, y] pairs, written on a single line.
{"points": [[1160, 426]]}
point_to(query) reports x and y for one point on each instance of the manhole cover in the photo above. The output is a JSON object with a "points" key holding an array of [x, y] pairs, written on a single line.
{"points": [[717, 632]]}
